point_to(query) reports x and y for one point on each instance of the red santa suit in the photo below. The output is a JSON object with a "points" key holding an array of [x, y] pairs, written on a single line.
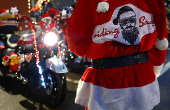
{"points": [[100, 35], [51, 24], [47, 22]]}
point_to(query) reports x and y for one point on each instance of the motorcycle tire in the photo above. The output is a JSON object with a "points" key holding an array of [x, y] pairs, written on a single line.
{"points": [[59, 88]]}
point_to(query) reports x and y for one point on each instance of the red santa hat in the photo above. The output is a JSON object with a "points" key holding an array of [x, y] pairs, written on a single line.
{"points": [[13, 54], [103, 6], [52, 11], [45, 16], [13, 10], [5, 58], [3, 11]]}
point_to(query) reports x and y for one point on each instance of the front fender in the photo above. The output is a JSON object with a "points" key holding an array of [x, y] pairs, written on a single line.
{"points": [[56, 65]]}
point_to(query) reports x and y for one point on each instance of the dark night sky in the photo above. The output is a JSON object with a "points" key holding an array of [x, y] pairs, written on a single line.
{"points": [[62, 3]]}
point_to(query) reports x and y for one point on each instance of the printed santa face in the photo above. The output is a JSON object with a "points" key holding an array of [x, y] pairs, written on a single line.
{"points": [[126, 18], [127, 25], [129, 22]]}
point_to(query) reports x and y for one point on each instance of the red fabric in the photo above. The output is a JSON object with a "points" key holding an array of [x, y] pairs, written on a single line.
{"points": [[80, 30], [45, 15], [64, 29], [104, 0], [14, 67], [121, 77], [86, 108], [2, 11], [53, 11], [43, 26], [159, 13], [5, 58], [33, 9]]}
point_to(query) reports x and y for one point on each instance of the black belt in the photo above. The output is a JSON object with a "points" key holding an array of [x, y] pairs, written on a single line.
{"points": [[133, 59]]}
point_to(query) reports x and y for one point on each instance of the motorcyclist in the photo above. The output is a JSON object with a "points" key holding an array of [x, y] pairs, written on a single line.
{"points": [[47, 23]]}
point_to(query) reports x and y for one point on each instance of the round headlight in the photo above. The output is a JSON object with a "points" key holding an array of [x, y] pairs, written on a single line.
{"points": [[50, 38]]}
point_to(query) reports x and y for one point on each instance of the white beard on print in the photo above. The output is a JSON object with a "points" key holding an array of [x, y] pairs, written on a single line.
{"points": [[129, 29], [130, 35]]}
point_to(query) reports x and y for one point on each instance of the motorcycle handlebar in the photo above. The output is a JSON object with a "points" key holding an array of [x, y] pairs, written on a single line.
{"points": [[11, 19]]}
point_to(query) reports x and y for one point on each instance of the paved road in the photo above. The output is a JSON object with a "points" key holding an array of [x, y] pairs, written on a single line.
{"points": [[15, 96], [164, 83]]}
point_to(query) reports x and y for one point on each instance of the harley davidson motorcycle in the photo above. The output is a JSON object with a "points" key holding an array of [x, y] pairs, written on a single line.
{"points": [[42, 66]]}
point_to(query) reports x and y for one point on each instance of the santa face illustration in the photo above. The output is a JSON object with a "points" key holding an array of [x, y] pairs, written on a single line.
{"points": [[126, 18]]}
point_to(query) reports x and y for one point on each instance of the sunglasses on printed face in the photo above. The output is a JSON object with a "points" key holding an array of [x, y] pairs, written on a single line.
{"points": [[125, 21]]}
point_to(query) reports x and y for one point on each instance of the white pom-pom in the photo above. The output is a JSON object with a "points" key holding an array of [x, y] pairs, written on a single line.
{"points": [[102, 7], [162, 44]]}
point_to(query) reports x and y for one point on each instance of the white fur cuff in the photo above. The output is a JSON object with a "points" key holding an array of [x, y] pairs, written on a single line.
{"points": [[102, 7], [162, 44], [157, 70]]}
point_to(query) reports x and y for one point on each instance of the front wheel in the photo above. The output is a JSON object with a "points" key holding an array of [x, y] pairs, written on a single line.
{"points": [[56, 88]]}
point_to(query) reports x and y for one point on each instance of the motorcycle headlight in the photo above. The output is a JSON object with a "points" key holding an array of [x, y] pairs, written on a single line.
{"points": [[50, 38]]}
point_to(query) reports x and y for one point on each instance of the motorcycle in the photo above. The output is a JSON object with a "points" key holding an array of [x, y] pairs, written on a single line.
{"points": [[40, 62]]}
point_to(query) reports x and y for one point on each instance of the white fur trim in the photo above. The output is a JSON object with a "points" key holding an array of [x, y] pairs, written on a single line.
{"points": [[4, 13], [162, 44], [14, 55], [11, 45], [102, 7], [6, 60], [99, 98], [157, 70]]}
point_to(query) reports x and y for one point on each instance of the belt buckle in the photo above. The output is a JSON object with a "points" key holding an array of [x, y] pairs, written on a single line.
{"points": [[137, 58]]}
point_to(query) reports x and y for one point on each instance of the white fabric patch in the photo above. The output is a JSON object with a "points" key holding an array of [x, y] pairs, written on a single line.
{"points": [[135, 98], [113, 32]]}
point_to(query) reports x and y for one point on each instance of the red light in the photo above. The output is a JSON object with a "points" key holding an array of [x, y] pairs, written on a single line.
{"points": [[2, 47]]}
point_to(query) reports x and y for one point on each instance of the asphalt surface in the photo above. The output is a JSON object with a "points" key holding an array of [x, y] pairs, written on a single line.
{"points": [[16, 96], [164, 84]]}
